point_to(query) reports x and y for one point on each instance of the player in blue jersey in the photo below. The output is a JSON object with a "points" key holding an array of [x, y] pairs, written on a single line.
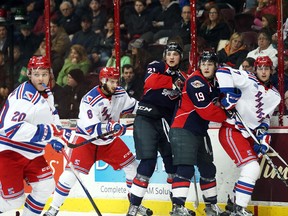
{"points": [[28, 121], [190, 142], [162, 90]]}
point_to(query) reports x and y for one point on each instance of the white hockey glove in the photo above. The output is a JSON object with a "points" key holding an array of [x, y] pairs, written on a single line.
{"points": [[230, 100]]}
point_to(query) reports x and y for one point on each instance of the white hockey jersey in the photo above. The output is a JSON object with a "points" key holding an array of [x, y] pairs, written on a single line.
{"points": [[24, 109], [96, 108], [257, 102]]}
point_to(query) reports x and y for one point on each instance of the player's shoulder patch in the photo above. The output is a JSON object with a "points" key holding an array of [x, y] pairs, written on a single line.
{"points": [[197, 84]]}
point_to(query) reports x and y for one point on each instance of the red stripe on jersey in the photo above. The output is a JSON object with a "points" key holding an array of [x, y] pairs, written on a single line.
{"points": [[207, 186], [180, 184]]}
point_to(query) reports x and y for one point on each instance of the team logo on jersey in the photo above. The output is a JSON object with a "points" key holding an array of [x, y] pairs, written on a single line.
{"points": [[172, 94], [197, 84], [28, 95], [88, 98]]}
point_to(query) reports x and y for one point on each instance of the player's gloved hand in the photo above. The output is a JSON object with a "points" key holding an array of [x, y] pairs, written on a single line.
{"points": [[57, 144], [230, 113], [263, 146], [46, 132], [117, 128], [261, 131], [172, 72], [178, 83], [229, 100]]}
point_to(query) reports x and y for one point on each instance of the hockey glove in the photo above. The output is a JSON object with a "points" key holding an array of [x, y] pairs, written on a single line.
{"points": [[116, 129], [57, 144], [230, 113], [172, 72], [46, 132], [261, 131], [263, 146], [229, 100]]}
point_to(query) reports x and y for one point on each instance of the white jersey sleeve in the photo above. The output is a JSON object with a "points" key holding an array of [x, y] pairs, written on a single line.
{"points": [[96, 110], [257, 102], [23, 112]]}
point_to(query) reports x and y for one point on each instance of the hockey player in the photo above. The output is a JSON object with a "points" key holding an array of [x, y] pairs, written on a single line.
{"points": [[29, 121], [190, 141], [100, 111], [161, 94], [255, 100]]}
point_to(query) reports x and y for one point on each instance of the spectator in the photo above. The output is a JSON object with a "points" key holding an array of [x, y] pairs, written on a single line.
{"points": [[18, 63], [60, 41], [124, 58], [131, 83], [234, 52], [95, 59], [163, 19], [86, 37], [140, 57], [74, 91], [4, 80], [4, 40], [264, 7], [136, 20], [274, 78], [28, 41], [57, 60], [265, 48], [214, 28], [98, 15], [107, 40], [77, 59], [248, 64], [33, 10], [59, 95], [69, 20], [269, 22], [39, 27], [182, 28]]}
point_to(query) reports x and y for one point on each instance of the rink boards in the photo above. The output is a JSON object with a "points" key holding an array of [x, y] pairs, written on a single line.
{"points": [[109, 191]]}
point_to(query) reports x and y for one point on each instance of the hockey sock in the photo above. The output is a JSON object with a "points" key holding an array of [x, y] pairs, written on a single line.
{"points": [[63, 187], [181, 184], [244, 188], [209, 190]]}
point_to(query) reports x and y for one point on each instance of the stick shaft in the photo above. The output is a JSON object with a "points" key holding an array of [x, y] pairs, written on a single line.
{"points": [[81, 183], [71, 145]]}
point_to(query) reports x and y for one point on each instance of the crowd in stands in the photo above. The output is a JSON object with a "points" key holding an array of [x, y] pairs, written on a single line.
{"points": [[83, 39]]}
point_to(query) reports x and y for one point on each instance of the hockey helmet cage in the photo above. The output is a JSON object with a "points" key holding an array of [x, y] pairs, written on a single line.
{"points": [[173, 46], [209, 56], [263, 61], [109, 73]]}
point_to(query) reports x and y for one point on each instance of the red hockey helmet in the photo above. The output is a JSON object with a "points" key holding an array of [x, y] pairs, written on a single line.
{"points": [[263, 61], [36, 62], [109, 73]]}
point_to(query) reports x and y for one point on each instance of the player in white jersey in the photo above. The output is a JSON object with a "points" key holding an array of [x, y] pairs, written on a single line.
{"points": [[100, 111], [28, 121], [255, 99]]}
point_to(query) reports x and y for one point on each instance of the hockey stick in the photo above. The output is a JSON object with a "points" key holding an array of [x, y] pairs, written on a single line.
{"points": [[81, 183], [71, 145], [196, 203], [281, 177]]}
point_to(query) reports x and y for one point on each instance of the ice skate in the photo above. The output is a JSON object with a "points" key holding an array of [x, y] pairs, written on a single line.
{"points": [[230, 205], [179, 210], [189, 210], [240, 211], [214, 210], [143, 211], [51, 212], [133, 210]]}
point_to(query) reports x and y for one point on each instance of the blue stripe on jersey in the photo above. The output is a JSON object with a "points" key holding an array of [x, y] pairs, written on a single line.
{"points": [[24, 146], [224, 70], [129, 110], [27, 91]]}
